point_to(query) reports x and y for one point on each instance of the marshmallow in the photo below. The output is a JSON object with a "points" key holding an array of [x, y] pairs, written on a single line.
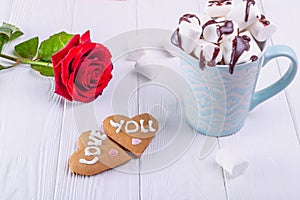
{"points": [[226, 45], [210, 33], [190, 30], [216, 32], [208, 53], [231, 161], [241, 28], [254, 50], [242, 16], [218, 8], [262, 30]]}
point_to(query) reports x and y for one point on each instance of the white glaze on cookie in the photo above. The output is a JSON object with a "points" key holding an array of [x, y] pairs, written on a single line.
{"points": [[136, 125], [98, 135], [93, 149], [151, 129], [150, 126], [119, 125], [142, 126], [131, 130], [94, 141], [88, 162]]}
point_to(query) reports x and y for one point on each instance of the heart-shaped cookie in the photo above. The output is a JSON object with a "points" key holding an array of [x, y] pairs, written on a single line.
{"points": [[96, 153], [134, 134]]}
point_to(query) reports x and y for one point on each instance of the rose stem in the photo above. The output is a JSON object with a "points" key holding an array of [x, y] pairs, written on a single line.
{"points": [[26, 61], [9, 57]]}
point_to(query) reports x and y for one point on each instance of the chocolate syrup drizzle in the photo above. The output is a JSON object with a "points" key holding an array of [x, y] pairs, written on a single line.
{"points": [[227, 28], [187, 17], [264, 21], [176, 38], [212, 62], [239, 45], [219, 2], [202, 60], [253, 58], [248, 4], [209, 22]]}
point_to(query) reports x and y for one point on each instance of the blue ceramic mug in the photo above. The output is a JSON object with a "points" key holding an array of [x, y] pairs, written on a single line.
{"points": [[218, 102]]}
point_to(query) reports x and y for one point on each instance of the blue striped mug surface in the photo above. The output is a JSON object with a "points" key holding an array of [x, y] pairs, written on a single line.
{"points": [[218, 102]]}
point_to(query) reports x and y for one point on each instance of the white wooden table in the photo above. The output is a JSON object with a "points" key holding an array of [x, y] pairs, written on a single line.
{"points": [[39, 131]]}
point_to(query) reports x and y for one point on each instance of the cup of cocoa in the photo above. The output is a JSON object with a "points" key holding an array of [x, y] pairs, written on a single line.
{"points": [[225, 50]]}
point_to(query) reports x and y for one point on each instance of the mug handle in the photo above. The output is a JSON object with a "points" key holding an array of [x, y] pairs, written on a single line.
{"points": [[271, 53]]}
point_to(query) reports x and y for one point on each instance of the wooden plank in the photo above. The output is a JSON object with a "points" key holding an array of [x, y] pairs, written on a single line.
{"points": [[113, 184], [103, 19], [165, 14], [173, 157], [287, 35], [269, 142], [31, 115], [171, 167], [30, 130]]}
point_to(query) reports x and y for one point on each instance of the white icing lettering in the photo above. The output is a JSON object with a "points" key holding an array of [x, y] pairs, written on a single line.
{"points": [[150, 126], [92, 149], [142, 126], [119, 125], [88, 162], [131, 130], [103, 137], [94, 142], [87, 151], [97, 134]]}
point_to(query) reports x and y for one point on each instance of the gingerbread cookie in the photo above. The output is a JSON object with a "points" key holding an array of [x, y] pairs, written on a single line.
{"points": [[134, 134], [96, 153]]}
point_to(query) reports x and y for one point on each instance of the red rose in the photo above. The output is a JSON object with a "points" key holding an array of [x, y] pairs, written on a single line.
{"points": [[82, 69]]}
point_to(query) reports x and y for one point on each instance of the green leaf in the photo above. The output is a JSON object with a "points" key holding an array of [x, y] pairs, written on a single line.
{"points": [[28, 49], [14, 31], [8, 32], [2, 41], [52, 45], [44, 70]]}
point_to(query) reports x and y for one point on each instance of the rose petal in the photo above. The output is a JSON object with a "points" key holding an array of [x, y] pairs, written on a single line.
{"points": [[90, 74], [81, 88], [85, 70], [105, 52], [99, 53], [67, 62], [106, 77], [89, 95], [57, 57], [86, 97], [83, 64], [60, 88], [85, 38], [81, 56]]}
